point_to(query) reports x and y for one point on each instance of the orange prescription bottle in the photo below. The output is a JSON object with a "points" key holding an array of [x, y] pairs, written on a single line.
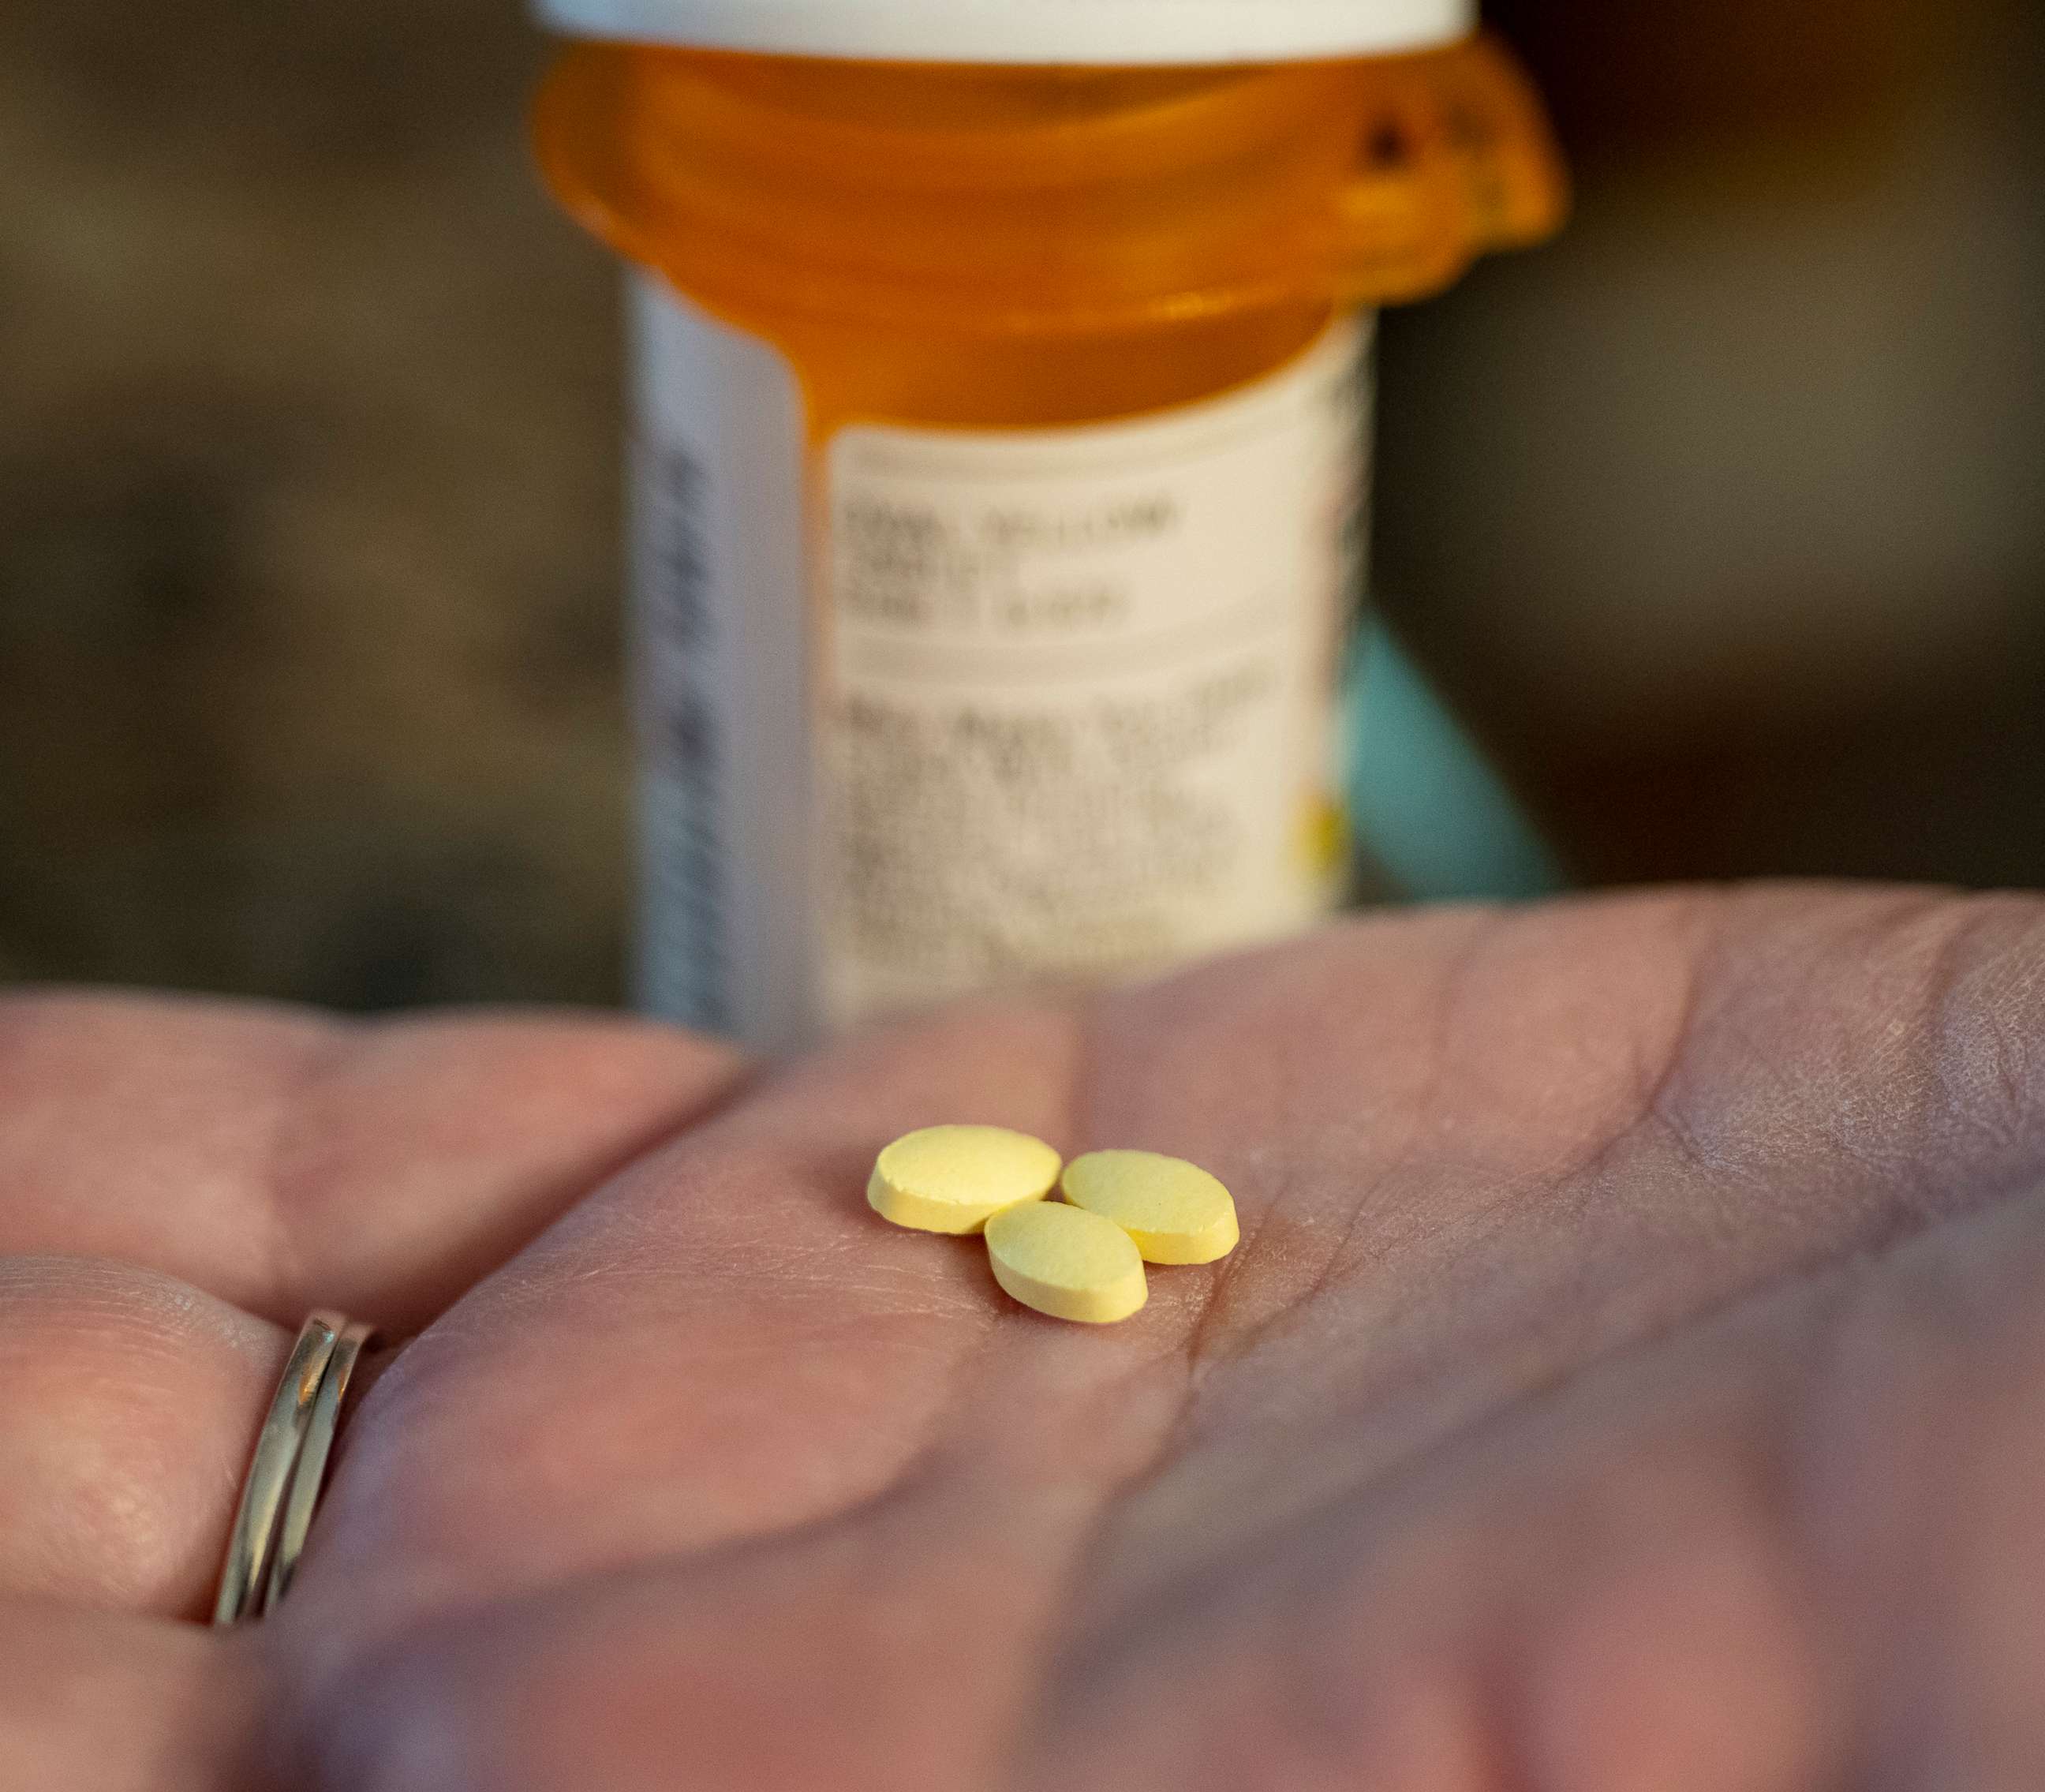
{"points": [[1001, 377]]}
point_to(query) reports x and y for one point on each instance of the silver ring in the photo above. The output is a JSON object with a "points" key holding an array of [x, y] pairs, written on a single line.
{"points": [[271, 1509], [309, 1477]]}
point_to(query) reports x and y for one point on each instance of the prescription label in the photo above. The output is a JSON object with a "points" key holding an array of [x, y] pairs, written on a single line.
{"points": [[1075, 716], [926, 711]]}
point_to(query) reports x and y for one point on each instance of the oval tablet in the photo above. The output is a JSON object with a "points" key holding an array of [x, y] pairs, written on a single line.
{"points": [[955, 1178], [1175, 1211], [1066, 1263]]}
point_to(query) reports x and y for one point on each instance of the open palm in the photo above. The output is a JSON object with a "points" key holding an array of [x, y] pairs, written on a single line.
{"points": [[1632, 1380]]}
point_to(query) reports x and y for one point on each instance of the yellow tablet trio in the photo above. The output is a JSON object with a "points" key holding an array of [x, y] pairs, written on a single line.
{"points": [[1081, 1259]]}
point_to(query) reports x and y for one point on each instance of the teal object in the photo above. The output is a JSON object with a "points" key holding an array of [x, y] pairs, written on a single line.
{"points": [[1429, 811]]}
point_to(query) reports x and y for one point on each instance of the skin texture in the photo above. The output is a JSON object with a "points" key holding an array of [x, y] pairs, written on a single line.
{"points": [[1632, 1379]]}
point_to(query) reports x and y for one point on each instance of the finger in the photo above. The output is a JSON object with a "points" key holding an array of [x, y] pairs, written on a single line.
{"points": [[281, 1161], [128, 1407], [95, 1702]]}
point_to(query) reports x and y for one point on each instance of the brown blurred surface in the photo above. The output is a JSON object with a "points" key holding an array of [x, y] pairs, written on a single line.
{"points": [[308, 674], [1724, 519]]}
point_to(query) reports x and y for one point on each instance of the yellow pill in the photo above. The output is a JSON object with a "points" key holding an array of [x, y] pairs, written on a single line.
{"points": [[1066, 1263], [1175, 1211], [955, 1178]]}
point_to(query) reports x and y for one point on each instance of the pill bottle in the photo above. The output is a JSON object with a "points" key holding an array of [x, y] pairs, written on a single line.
{"points": [[999, 487]]}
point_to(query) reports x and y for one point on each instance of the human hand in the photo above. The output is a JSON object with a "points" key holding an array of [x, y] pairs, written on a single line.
{"points": [[1632, 1380]]}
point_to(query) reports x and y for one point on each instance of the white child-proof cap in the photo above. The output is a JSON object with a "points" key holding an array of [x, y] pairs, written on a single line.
{"points": [[1123, 32]]}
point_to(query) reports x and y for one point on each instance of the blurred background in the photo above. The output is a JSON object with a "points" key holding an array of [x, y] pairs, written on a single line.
{"points": [[1721, 522]]}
